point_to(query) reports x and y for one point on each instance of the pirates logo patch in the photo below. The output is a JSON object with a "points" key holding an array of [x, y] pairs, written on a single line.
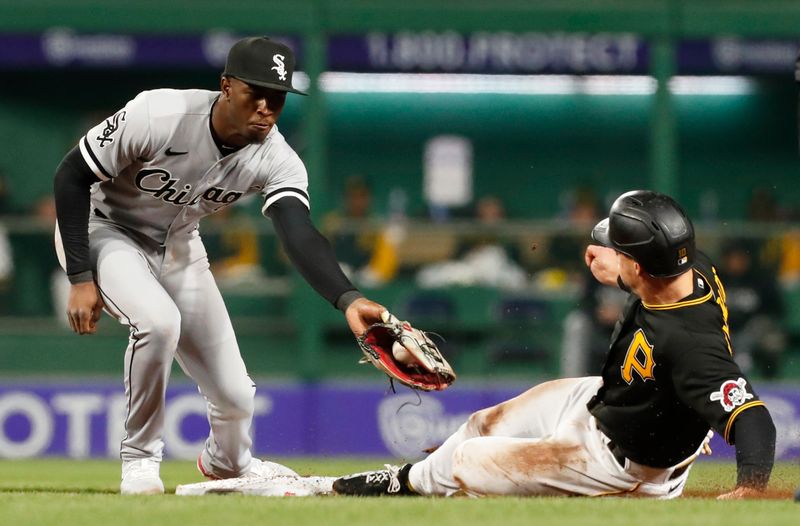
{"points": [[732, 394]]}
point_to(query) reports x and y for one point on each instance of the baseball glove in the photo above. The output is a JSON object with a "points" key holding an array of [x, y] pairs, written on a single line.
{"points": [[405, 354]]}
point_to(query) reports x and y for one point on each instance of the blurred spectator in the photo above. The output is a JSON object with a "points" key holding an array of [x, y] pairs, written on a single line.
{"points": [[6, 253], [5, 207], [782, 252], [483, 258], [6, 259], [490, 210], [587, 329], [565, 249], [490, 215], [755, 309], [789, 263], [366, 253], [232, 244], [763, 206]]}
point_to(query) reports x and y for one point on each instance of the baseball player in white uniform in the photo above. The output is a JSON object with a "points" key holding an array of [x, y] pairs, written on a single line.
{"points": [[129, 197]]}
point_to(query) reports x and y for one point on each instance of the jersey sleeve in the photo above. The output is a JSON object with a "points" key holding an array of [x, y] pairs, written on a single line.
{"points": [[288, 178], [122, 138], [707, 379]]}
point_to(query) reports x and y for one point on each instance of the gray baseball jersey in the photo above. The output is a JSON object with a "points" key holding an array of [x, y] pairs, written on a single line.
{"points": [[161, 170]]}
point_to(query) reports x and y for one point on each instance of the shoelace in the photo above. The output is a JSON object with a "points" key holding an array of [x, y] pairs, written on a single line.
{"points": [[392, 475]]}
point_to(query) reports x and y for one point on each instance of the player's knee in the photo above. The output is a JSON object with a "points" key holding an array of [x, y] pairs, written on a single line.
{"points": [[466, 466], [236, 401], [475, 423], [483, 422], [162, 327]]}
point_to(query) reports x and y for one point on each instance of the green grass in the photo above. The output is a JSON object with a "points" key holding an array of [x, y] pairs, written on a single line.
{"points": [[64, 492]]}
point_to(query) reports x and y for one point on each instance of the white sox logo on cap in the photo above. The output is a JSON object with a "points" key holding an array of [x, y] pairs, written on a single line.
{"points": [[280, 67], [249, 61]]}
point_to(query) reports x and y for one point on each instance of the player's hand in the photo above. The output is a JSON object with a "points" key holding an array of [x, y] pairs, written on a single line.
{"points": [[741, 493], [361, 314], [602, 261], [84, 307]]}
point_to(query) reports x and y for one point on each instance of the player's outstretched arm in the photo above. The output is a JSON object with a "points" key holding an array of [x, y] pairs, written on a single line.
{"points": [[754, 436], [315, 259], [602, 261]]}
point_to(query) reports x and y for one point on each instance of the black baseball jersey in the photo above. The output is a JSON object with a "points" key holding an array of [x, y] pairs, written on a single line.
{"points": [[669, 375]]}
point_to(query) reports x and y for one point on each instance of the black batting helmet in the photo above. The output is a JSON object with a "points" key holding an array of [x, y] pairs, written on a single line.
{"points": [[652, 229]]}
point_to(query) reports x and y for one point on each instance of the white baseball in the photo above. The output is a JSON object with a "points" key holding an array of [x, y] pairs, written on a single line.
{"points": [[401, 354]]}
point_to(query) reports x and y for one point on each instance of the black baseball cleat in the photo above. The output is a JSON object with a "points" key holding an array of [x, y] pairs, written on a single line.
{"points": [[390, 481]]}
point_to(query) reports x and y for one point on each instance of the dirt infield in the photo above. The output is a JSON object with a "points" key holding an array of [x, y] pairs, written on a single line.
{"points": [[770, 494]]}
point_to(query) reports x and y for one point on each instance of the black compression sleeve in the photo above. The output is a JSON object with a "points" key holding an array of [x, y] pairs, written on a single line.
{"points": [[310, 252], [71, 187], [754, 436]]}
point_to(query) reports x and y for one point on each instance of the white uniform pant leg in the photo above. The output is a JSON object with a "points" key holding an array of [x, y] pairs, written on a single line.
{"points": [[133, 294], [535, 413], [565, 464], [573, 460], [209, 354]]}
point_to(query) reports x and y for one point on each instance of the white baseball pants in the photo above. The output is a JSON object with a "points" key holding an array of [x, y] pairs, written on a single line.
{"points": [[543, 442], [170, 301]]}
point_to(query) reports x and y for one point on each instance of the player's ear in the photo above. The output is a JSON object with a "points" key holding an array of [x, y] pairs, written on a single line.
{"points": [[225, 86]]}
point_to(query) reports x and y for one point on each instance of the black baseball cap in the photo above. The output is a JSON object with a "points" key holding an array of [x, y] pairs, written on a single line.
{"points": [[652, 229], [262, 62]]}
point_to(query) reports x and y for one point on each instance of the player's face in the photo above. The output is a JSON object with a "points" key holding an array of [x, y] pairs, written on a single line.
{"points": [[252, 110]]}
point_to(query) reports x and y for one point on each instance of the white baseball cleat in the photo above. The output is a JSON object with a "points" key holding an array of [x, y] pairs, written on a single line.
{"points": [[274, 486], [140, 477], [266, 469], [258, 468]]}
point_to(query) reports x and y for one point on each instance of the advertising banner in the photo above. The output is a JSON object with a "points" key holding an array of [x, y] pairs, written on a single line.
{"points": [[80, 420], [409, 52]]}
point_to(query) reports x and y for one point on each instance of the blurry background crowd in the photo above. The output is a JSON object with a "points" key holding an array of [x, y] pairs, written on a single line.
{"points": [[457, 171]]}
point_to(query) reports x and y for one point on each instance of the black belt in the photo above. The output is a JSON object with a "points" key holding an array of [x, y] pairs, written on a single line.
{"points": [[100, 214], [620, 457], [617, 452]]}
